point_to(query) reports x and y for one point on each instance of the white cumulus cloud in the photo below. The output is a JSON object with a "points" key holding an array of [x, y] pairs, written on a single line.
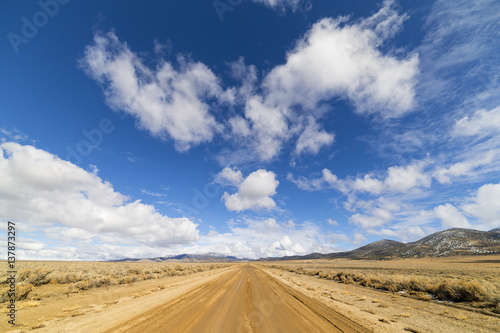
{"points": [[269, 126], [340, 59], [485, 205], [379, 216], [229, 176], [251, 238], [450, 217], [334, 59], [39, 189], [481, 123], [167, 102], [399, 179], [312, 139], [358, 239], [254, 192]]}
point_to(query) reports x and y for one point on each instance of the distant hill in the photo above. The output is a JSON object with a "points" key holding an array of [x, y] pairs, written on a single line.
{"points": [[451, 242], [200, 257], [455, 242]]}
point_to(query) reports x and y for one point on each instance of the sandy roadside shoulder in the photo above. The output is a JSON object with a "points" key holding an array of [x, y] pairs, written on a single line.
{"points": [[386, 312], [100, 309]]}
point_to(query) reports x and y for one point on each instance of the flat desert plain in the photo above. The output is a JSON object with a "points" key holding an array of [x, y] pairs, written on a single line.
{"points": [[457, 294]]}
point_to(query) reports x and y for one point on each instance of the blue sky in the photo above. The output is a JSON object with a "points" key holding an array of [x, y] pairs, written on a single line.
{"points": [[261, 128]]}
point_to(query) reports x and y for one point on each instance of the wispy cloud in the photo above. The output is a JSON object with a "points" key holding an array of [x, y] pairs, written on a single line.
{"points": [[460, 53], [13, 134], [154, 194], [284, 4]]}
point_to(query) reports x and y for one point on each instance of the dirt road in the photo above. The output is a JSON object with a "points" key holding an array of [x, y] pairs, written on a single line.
{"points": [[246, 300]]}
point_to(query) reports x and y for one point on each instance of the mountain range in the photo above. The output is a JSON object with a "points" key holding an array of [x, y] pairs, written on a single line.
{"points": [[200, 257], [451, 242]]}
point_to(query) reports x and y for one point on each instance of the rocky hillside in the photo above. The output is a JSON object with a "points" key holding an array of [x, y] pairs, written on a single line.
{"points": [[455, 242], [451, 242]]}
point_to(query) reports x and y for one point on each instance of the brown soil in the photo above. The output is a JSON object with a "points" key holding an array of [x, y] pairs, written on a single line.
{"points": [[97, 310], [387, 312], [248, 300]]}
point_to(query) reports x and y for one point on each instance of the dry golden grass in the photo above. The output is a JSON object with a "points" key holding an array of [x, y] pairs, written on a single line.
{"points": [[110, 303], [28, 304], [37, 325], [473, 281], [75, 277]]}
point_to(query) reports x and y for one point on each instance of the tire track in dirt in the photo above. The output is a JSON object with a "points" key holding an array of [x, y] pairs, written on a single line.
{"points": [[245, 300]]}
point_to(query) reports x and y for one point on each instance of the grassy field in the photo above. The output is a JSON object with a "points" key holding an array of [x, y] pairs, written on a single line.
{"points": [[472, 281], [38, 279]]}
